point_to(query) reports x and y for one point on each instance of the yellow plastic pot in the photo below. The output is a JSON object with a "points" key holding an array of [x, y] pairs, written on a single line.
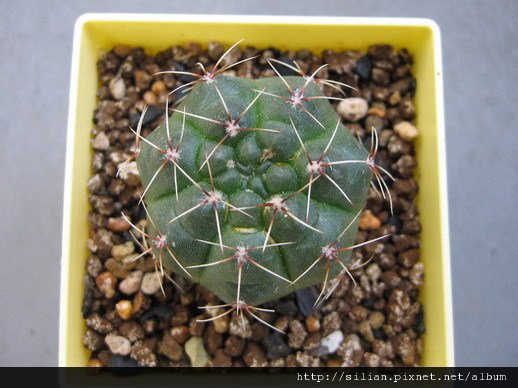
{"points": [[97, 32]]}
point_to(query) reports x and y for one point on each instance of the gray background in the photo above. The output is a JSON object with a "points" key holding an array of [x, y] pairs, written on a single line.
{"points": [[480, 51]]}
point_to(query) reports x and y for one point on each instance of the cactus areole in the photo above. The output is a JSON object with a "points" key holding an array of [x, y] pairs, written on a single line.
{"points": [[253, 188]]}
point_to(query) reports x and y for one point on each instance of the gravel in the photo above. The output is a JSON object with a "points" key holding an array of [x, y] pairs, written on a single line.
{"points": [[377, 322]]}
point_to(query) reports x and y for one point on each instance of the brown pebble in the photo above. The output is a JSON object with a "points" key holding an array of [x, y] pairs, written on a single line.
{"points": [[99, 323], [234, 346], [181, 316], [92, 340], [170, 348], [331, 323], [180, 334], [132, 331], [158, 87], [212, 340], [369, 221], [124, 309], [254, 356], [221, 359], [123, 250], [150, 98], [94, 363], [106, 283], [94, 266], [138, 301], [407, 131], [196, 328], [297, 334], [312, 324], [118, 225], [334, 363], [376, 319]]}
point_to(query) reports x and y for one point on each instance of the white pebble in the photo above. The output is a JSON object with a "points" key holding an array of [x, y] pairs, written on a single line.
{"points": [[353, 109], [131, 284], [332, 341], [118, 344], [150, 283], [117, 88], [406, 130]]}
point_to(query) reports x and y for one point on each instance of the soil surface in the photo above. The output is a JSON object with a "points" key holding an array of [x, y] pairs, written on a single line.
{"points": [[130, 322]]}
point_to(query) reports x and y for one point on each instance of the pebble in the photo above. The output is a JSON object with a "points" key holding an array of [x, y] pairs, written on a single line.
{"points": [[129, 173], [143, 354], [101, 142], [118, 344], [117, 88], [122, 365], [234, 346], [161, 311], [152, 113], [150, 283], [331, 342], [92, 340], [275, 346], [376, 319], [363, 67], [150, 98], [365, 329], [212, 340], [196, 328], [369, 221], [312, 324], [118, 269], [371, 360], [131, 284], [306, 300], [106, 283], [132, 331], [122, 250], [254, 356], [158, 87], [94, 363], [170, 348], [118, 225], [406, 130], [221, 360], [331, 322], [180, 334], [351, 351], [238, 328], [287, 307], [196, 352], [221, 325], [124, 309], [94, 266], [297, 334], [353, 108], [95, 184], [99, 323], [416, 275]]}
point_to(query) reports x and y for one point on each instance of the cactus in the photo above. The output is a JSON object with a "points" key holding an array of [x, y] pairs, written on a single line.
{"points": [[253, 188]]}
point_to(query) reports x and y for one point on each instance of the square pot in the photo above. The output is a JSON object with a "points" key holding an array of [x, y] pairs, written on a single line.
{"points": [[96, 32]]}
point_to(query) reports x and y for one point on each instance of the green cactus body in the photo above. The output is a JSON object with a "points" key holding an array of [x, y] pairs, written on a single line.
{"points": [[231, 181]]}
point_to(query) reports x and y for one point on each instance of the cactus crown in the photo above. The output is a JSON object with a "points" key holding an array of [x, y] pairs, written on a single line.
{"points": [[253, 187]]}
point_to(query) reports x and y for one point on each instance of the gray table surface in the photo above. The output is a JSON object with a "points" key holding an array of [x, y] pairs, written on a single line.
{"points": [[480, 51]]}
